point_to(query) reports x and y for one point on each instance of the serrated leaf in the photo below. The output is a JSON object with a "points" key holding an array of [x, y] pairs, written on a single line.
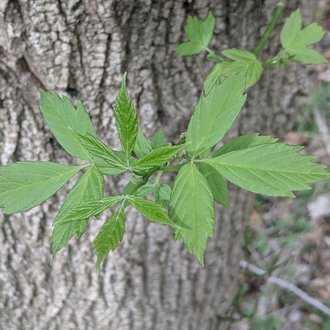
{"points": [[107, 169], [110, 236], [309, 56], [142, 146], [96, 149], [296, 41], [213, 77], [191, 207], [309, 35], [24, 185], [150, 210], [146, 189], [88, 188], [156, 158], [291, 29], [215, 114], [239, 54], [163, 194], [243, 61], [62, 117], [253, 73], [158, 140], [274, 169], [217, 184], [243, 142], [199, 34], [90, 209], [189, 48], [126, 119]]}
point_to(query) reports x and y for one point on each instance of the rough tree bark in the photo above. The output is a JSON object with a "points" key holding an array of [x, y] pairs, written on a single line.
{"points": [[81, 48]]}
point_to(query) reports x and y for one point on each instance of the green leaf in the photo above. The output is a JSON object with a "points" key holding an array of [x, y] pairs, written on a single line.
{"points": [[62, 117], [243, 142], [309, 56], [291, 29], [126, 119], [296, 41], [163, 194], [243, 61], [110, 236], [273, 169], [215, 114], [189, 48], [217, 184], [158, 140], [107, 169], [142, 146], [213, 77], [311, 34], [146, 189], [191, 207], [90, 209], [239, 54], [199, 34], [150, 210], [156, 158], [88, 188], [24, 185], [96, 149]]}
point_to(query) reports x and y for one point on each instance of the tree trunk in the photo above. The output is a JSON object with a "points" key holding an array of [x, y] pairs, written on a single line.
{"points": [[81, 48]]}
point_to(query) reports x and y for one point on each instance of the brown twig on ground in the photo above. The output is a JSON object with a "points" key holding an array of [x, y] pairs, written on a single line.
{"points": [[287, 286]]}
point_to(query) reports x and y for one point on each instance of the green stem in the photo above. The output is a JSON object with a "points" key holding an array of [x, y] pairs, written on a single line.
{"points": [[270, 28], [211, 52]]}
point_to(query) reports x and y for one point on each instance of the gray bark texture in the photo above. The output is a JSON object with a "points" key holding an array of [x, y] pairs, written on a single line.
{"points": [[80, 48]]}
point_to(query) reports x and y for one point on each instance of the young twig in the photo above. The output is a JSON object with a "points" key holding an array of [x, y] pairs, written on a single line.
{"points": [[323, 129], [270, 28]]}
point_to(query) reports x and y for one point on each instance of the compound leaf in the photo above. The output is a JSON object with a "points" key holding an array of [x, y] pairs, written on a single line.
{"points": [[110, 236], [88, 188], [297, 41], [62, 118], [24, 185], [126, 119], [191, 207], [274, 169]]}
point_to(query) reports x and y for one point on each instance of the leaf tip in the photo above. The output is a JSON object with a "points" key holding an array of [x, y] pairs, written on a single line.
{"points": [[200, 259]]}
